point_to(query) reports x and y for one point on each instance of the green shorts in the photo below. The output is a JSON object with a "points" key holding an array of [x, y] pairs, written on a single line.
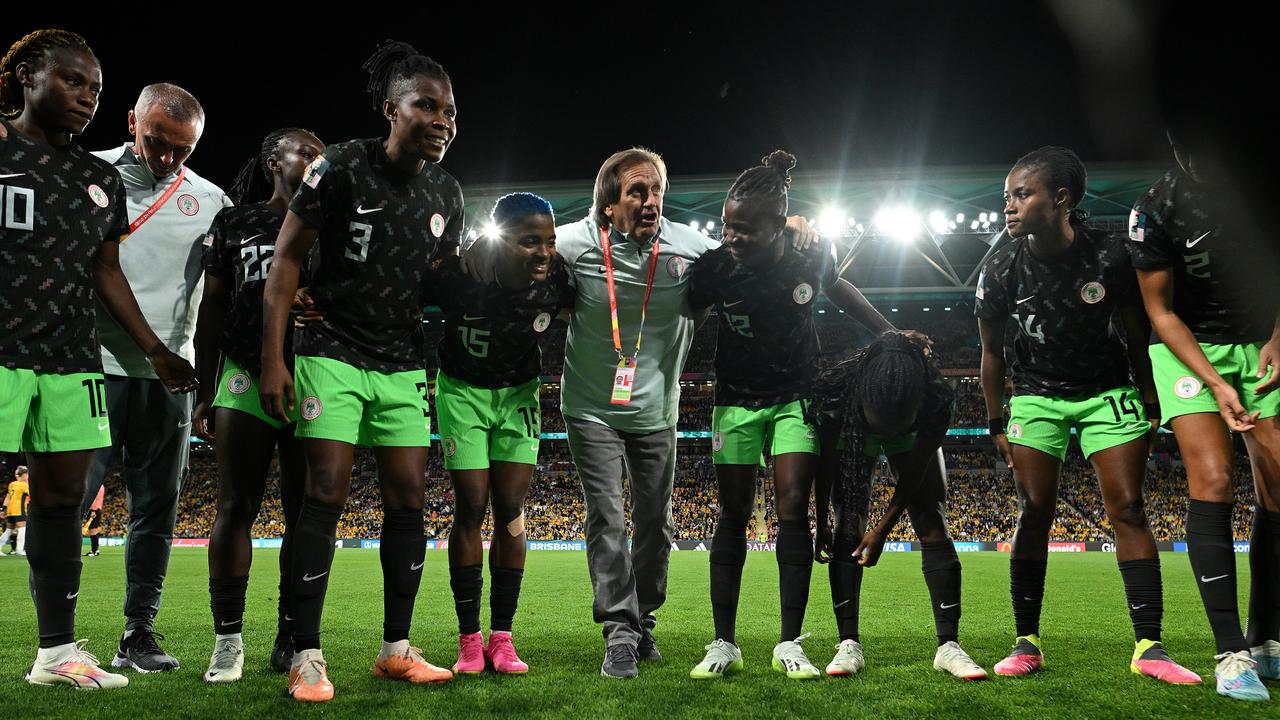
{"points": [[876, 446], [50, 412], [337, 401], [1182, 392], [739, 435], [1103, 421], [480, 425], [238, 390]]}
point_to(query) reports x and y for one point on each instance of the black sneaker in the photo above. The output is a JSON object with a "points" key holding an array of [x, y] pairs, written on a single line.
{"points": [[619, 662], [138, 650], [647, 648], [282, 653]]}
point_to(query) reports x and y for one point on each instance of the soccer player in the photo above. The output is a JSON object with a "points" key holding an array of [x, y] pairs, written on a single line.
{"points": [[1215, 357], [378, 211], [63, 216], [488, 411], [16, 501], [237, 258], [764, 292], [1066, 286], [889, 399], [93, 523]]}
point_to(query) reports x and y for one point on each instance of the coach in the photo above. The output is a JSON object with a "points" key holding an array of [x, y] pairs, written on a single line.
{"points": [[170, 210], [627, 342]]}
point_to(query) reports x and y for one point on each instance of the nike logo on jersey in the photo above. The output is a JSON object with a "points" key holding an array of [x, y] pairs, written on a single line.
{"points": [[416, 566], [471, 318], [248, 240], [1019, 302], [103, 426], [1216, 577], [1192, 243], [944, 606], [361, 210], [309, 578], [6, 177], [72, 596], [733, 304]]}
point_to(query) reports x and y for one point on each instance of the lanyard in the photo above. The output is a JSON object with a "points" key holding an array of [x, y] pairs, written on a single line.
{"points": [[155, 206], [613, 298]]}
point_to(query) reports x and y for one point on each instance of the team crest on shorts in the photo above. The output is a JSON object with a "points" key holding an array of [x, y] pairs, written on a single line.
{"points": [[1015, 430], [98, 196], [311, 408], [675, 267], [1093, 292], [802, 294], [1187, 387], [542, 322], [717, 442], [437, 224], [188, 205], [239, 384], [449, 445]]}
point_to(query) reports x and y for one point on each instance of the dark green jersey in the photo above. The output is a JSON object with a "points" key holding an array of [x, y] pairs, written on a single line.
{"points": [[767, 342], [380, 230], [57, 206]]}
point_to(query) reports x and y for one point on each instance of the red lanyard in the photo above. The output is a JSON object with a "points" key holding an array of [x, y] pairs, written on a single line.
{"points": [[613, 298], [155, 206]]}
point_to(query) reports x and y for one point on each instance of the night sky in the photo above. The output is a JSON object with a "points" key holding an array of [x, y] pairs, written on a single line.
{"points": [[548, 94]]}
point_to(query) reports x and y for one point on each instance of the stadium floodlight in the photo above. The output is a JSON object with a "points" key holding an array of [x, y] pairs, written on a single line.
{"points": [[951, 227], [693, 224], [973, 225], [901, 223], [938, 222], [705, 232], [490, 230], [947, 309], [925, 309], [960, 218], [982, 217], [860, 228], [852, 222], [711, 224], [831, 221]]}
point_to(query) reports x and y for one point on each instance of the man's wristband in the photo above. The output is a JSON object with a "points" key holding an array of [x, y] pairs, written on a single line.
{"points": [[996, 426], [1152, 410]]}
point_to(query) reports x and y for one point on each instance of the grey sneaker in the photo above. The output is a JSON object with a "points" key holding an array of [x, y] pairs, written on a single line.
{"points": [[619, 662], [789, 658], [722, 658], [227, 663], [848, 660], [647, 648], [138, 650]]}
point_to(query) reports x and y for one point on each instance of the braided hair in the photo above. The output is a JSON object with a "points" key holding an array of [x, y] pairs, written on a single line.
{"points": [[244, 183], [517, 206], [392, 66], [766, 182], [34, 48], [892, 375], [1059, 167]]}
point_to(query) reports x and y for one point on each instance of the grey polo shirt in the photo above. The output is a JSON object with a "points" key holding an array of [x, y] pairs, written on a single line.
{"points": [[161, 261], [589, 356]]}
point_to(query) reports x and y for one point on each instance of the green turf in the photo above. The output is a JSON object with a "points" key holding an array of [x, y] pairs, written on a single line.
{"points": [[1086, 633]]}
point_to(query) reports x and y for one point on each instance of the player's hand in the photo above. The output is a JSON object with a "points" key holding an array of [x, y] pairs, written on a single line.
{"points": [[1232, 411], [802, 233], [1151, 437], [304, 309], [275, 388], [479, 260], [202, 419], [1269, 362], [1006, 451], [822, 545], [175, 372], [3, 132], [868, 551]]}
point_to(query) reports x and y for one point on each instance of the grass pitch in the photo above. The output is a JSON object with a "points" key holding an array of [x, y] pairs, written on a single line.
{"points": [[1086, 630]]}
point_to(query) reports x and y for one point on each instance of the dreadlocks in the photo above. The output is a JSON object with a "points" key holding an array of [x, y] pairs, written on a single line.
{"points": [[766, 182], [892, 375], [244, 183], [392, 66], [34, 48], [1059, 167]]}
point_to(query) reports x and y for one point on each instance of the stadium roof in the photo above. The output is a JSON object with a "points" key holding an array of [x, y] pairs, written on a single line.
{"points": [[907, 232]]}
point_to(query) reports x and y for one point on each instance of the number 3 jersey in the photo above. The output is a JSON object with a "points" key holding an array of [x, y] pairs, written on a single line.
{"points": [[57, 206], [380, 230], [1063, 308], [767, 342], [1222, 289], [491, 333], [239, 248]]}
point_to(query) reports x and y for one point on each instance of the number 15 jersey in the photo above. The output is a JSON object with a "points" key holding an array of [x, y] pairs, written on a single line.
{"points": [[380, 229]]}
